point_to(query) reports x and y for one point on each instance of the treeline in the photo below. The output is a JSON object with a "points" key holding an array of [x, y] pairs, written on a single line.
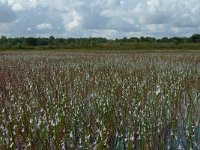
{"points": [[192, 42]]}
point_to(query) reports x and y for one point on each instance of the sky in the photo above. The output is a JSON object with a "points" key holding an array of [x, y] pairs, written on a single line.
{"points": [[99, 18]]}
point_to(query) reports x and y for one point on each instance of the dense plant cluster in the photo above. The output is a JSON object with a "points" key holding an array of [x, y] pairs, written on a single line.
{"points": [[133, 43], [99, 101]]}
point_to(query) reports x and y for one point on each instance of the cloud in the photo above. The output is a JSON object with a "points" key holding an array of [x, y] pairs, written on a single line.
{"points": [[71, 20], [6, 14], [29, 29], [17, 7], [112, 19], [44, 26]]}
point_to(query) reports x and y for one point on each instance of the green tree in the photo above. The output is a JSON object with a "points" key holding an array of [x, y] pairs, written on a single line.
{"points": [[195, 38]]}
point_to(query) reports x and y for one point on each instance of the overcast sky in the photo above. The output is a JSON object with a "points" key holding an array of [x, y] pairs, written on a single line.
{"points": [[99, 18]]}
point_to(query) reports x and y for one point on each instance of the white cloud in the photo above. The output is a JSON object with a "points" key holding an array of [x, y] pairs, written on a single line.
{"points": [[44, 26], [17, 7], [71, 20], [113, 18], [28, 29]]}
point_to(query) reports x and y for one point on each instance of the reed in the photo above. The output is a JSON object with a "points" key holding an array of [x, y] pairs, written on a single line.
{"points": [[68, 100]]}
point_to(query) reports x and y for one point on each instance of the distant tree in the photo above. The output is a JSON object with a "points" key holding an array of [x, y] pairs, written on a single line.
{"points": [[195, 38], [98, 42], [142, 39], [3, 40], [150, 39], [42, 41], [134, 39], [176, 40], [31, 41], [164, 40], [51, 40]]}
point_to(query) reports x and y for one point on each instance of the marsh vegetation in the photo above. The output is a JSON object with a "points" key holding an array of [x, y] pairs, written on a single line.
{"points": [[82, 100]]}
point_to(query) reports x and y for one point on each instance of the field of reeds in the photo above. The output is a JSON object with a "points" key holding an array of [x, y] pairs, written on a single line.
{"points": [[99, 100]]}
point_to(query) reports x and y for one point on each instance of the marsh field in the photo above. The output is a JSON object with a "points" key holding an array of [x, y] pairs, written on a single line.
{"points": [[100, 100]]}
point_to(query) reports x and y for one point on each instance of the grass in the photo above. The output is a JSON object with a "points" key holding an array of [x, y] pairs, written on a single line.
{"points": [[97, 100]]}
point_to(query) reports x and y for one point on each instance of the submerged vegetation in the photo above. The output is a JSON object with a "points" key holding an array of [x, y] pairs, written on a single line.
{"points": [[99, 101]]}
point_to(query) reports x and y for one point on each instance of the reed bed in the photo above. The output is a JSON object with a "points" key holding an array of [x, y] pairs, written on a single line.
{"points": [[82, 100]]}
